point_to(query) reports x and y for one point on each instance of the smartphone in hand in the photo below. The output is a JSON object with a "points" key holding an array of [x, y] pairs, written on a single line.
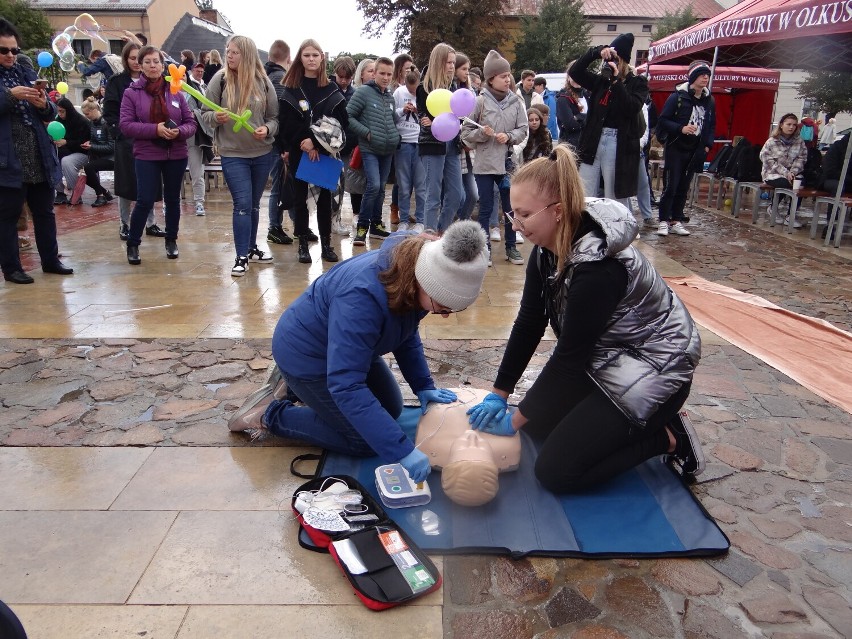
{"points": [[170, 124], [40, 84]]}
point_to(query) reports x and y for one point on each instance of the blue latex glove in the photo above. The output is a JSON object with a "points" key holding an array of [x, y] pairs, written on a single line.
{"points": [[491, 408], [439, 395], [417, 465], [500, 426]]}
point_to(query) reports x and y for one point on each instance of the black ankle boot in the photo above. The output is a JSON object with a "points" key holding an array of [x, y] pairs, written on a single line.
{"points": [[328, 253], [304, 253], [171, 249], [133, 255]]}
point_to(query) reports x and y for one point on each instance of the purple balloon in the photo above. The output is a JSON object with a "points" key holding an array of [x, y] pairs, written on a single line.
{"points": [[462, 103], [445, 127]]}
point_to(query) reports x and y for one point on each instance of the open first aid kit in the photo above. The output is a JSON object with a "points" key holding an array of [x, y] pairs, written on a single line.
{"points": [[382, 563]]}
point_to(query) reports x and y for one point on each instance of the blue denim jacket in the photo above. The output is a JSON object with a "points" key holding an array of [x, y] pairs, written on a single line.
{"points": [[11, 175]]}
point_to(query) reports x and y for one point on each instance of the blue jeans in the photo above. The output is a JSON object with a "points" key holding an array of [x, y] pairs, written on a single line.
{"points": [[276, 217], [643, 195], [442, 174], [320, 422], [149, 173], [485, 183], [246, 179], [471, 195], [410, 176], [604, 164], [376, 169]]}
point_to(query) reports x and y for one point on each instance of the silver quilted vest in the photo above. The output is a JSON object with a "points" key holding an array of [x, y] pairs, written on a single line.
{"points": [[651, 346]]}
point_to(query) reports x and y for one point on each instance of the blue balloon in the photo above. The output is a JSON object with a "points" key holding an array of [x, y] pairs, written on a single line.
{"points": [[45, 59]]}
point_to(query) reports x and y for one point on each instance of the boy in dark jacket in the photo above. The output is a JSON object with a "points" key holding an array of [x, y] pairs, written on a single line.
{"points": [[372, 118], [687, 124]]}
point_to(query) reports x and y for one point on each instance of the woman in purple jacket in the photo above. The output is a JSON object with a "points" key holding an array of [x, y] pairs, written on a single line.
{"points": [[159, 124]]}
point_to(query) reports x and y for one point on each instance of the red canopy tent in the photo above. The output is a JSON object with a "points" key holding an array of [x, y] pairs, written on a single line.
{"points": [[744, 97], [799, 34]]}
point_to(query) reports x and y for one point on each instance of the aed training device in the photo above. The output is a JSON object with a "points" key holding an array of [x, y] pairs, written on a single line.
{"points": [[396, 489]]}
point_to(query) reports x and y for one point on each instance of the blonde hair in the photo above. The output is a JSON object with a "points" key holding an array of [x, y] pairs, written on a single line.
{"points": [[215, 57], [249, 78], [436, 76], [557, 177], [399, 279], [357, 79], [89, 105]]}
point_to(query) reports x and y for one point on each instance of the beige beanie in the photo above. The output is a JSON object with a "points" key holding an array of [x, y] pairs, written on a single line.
{"points": [[495, 64], [451, 269]]}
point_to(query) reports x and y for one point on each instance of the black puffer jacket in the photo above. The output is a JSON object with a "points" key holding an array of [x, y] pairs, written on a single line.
{"points": [[101, 142]]}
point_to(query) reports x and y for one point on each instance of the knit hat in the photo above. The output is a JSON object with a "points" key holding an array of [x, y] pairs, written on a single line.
{"points": [[451, 270], [696, 69], [495, 64], [623, 46]]}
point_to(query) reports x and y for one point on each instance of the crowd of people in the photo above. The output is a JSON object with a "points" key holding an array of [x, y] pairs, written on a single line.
{"points": [[627, 348]]}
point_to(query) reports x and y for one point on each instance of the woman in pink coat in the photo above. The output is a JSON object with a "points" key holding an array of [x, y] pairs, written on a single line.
{"points": [[159, 124]]}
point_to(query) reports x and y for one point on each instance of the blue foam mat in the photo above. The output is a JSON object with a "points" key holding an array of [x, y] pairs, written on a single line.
{"points": [[646, 512]]}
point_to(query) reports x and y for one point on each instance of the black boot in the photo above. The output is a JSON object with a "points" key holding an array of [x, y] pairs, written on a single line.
{"points": [[171, 249], [328, 253], [133, 255], [304, 253]]}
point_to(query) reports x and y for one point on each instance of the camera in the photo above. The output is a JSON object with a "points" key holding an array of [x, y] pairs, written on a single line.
{"points": [[606, 70]]}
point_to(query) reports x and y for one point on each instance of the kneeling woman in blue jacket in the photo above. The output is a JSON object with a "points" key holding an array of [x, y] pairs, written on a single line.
{"points": [[351, 398]]}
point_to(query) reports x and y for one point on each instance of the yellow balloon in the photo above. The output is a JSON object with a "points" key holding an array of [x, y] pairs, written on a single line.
{"points": [[438, 101], [62, 88]]}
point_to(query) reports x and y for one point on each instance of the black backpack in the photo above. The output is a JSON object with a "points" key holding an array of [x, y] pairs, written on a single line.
{"points": [[749, 166], [720, 159], [812, 175], [732, 166]]}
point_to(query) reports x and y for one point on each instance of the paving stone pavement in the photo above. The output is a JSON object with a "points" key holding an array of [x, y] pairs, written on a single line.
{"points": [[779, 477]]}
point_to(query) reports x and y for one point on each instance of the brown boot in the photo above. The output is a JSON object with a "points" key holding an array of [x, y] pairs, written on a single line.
{"points": [[394, 214]]}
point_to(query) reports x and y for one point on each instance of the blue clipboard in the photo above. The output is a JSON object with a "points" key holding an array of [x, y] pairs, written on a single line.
{"points": [[325, 173]]}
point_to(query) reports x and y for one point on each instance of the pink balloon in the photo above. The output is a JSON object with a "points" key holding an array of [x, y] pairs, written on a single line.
{"points": [[462, 103], [445, 127]]}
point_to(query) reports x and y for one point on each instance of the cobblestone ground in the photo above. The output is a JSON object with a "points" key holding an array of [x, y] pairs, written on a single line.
{"points": [[779, 476]]}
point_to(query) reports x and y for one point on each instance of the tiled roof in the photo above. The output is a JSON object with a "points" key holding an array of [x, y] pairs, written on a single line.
{"points": [[625, 8], [195, 34], [91, 5]]}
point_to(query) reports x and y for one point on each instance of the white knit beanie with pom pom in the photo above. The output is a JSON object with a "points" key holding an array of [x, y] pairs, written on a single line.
{"points": [[451, 269]]}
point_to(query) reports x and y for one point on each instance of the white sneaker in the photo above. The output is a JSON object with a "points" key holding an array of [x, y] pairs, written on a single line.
{"points": [[784, 221], [402, 226], [418, 228], [495, 234], [261, 257], [199, 209], [519, 238], [678, 229], [340, 228], [240, 267], [663, 228]]}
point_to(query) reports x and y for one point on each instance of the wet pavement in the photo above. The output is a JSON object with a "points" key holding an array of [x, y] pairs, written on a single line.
{"points": [[779, 482]]}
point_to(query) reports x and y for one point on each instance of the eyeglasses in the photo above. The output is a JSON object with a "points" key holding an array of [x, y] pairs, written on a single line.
{"points": [[510, 215], [444, 311], [8, 50]]}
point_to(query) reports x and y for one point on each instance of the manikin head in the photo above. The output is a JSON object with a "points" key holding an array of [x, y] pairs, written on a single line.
{"points": [[470, 477]]}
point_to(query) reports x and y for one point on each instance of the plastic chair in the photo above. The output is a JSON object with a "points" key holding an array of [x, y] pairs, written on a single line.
{"points": [[696, 182]]}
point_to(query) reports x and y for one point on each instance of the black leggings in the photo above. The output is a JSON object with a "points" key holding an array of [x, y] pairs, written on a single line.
{"points": [[92, 167], [595, 442]]}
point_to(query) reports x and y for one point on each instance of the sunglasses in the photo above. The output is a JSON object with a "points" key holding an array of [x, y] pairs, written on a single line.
{"points": [[442, 311], [510, 215], [8, 50]]}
